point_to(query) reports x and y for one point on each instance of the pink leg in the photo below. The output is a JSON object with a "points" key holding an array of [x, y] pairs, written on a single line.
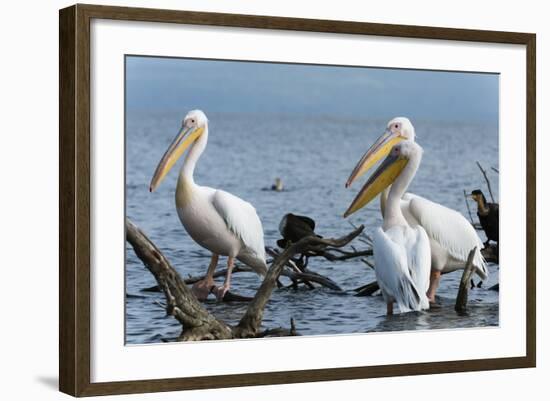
{"points": [[221, 291], [202, 288], [435, 276]]}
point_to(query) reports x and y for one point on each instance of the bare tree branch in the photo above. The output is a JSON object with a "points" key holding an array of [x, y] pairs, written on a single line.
{"points": [[250, 323], [462, 296], [196, 321], [306, 276], [344, 255], [487, 181], [367, 290]]}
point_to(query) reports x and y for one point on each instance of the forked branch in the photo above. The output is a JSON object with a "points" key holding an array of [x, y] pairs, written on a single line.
{"points": [[250, 323], [197, 323]]}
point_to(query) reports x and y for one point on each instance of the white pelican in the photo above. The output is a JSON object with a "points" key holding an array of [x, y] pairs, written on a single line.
{"points": [[451, 236], [217, 220], [401, 252]]}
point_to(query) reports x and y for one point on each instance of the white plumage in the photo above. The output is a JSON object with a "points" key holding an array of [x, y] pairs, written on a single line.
{"points": [[402, 266], [221, 222], [401, 251], [242, 220], [451, 236]]}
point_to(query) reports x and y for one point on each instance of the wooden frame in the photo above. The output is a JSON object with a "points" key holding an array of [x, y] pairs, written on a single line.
{"points": [[74, 199]]}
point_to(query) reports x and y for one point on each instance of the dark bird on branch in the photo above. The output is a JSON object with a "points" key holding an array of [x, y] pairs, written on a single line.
{"points": [[488, 216], [293, 228]]}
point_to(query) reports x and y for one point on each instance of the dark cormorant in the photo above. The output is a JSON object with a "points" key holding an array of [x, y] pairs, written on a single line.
{"points": [[488, 216], [293, 228]]}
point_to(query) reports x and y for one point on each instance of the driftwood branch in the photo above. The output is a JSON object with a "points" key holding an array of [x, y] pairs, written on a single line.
{"points": [[343, 255], [367, 290], [219, 273], [295, 269], [363, 237], [229, 296], [369, 264], [250, 323], [486, 180], [302, 275], [462, 296], [290, 263], [196, 321], [312, 277]]}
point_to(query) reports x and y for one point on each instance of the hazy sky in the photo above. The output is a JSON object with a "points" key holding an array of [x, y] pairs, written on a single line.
{"points": [[233, 86]]}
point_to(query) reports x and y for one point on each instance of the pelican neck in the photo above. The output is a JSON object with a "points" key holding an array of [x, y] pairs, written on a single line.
{"points": [[391, 208], [193, 156]]}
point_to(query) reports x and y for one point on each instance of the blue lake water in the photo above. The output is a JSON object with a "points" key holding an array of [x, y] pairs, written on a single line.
{"points": [[313, 156]]}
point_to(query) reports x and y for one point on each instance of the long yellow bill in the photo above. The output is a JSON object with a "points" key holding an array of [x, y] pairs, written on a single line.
{"points": [[184, 138], [379, 149], [384, 176]]}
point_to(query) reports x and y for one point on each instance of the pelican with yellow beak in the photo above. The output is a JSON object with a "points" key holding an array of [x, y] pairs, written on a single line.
{"points": [[401, 252], [217, 220], [451, 236]]}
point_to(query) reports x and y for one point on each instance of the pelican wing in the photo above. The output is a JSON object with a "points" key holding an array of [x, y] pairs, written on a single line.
{"points": [[392, 269], [419, 257], [449, 229], [242, 220]]}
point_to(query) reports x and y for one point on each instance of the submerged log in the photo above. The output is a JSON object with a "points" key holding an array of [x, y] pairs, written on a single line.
{"points": [[462, 296], [199, 324]]}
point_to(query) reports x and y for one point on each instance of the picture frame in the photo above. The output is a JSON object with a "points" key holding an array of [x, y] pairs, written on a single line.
{"points": [[76, 200]]}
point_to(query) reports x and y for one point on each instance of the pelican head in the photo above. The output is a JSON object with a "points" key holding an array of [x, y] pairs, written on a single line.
{"points": [[192, 127], [385, 174], [398, 129]]}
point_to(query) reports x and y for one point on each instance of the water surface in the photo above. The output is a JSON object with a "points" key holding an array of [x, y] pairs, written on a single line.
{"points": [[314, 157]]}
